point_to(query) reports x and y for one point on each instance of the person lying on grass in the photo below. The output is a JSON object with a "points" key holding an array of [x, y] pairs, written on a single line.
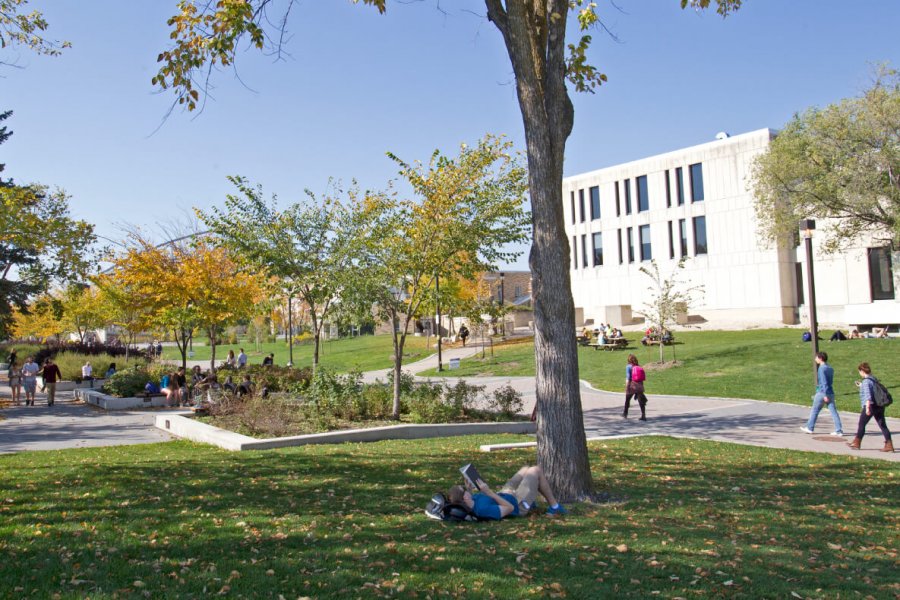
{"points": [[515, 499]]}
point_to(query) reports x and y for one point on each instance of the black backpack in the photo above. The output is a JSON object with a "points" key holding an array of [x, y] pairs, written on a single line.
{"points": [[440, 509], [881, 396]]}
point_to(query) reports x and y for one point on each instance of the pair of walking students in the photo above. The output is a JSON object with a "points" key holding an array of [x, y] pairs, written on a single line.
{"points": [[869, 409]]}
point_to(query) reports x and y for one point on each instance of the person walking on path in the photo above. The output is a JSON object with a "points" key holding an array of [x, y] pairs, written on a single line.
{"points": [[29, 379], [824, 395], [870, 409], [634, 386], [464, 334], [14, 375], [51, 375]]}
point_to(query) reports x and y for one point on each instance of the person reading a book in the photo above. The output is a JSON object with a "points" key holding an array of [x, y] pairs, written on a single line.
{"points": [[515, 499]]}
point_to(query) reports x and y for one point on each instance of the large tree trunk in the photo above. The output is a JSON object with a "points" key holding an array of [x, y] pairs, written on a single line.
{"points": [[536, 46]]}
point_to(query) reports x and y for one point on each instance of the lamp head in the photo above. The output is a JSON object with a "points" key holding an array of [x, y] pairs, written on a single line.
{"points": [[807, 226]]}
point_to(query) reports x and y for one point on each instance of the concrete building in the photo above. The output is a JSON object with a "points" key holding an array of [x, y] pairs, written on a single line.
{"points": [[697, 202]]}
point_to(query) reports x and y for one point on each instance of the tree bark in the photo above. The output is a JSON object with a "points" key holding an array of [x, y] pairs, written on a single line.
{"points": [[536, 45]]}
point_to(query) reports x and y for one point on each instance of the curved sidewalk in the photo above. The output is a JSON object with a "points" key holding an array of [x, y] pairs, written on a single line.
{"points": [[735, 420], [741, 421]]}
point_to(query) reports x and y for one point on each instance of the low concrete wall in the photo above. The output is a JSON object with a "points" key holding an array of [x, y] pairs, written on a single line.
{"points": [[193, 430], [97, 398], [68, 386]]}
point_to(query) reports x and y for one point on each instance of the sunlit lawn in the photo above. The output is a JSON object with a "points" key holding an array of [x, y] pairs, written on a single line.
{"points": [[698, 519], [364, 353], [771, 364]]}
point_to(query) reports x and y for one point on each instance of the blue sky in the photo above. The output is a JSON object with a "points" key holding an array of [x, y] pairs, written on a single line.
{"points": [[357, 84]]}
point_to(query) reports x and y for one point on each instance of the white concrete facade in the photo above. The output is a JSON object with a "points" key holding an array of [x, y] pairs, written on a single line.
{"points": [[745, 283]]}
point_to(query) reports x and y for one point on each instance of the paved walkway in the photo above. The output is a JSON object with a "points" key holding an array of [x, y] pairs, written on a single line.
{"points": [[752, 422]]}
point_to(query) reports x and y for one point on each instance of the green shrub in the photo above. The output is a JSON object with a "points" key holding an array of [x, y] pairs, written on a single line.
{"points": [[507, 401], [426, 404], [377, 400], [337, 395], [70, 363], [463, 397]]}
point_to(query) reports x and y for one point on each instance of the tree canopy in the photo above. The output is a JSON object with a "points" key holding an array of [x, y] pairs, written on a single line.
{"points": [[20, 28], [839, 164], [40, 243]]}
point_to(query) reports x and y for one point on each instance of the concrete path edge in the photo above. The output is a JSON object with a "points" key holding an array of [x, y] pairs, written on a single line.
{"points": [[181, 425]]}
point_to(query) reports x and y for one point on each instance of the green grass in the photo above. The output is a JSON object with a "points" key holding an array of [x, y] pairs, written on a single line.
{"points": [[364, 353], [698, 519], [771, 364]]}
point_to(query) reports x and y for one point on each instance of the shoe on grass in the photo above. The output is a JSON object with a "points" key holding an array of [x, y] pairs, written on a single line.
{"points": [[806, 430], [559, 510]]}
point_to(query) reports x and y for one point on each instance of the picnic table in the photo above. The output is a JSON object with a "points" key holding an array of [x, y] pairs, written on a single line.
{"points": [[619, 343]]}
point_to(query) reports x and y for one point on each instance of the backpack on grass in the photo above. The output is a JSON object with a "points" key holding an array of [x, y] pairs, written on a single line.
{"points": [[638, 374], [440, 509], [881, 396]]}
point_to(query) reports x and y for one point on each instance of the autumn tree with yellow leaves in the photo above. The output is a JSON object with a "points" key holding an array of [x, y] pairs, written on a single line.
{"points": [[187, 287]]}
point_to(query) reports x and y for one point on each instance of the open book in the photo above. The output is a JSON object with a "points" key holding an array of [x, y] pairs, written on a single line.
{"points": [[471, 474]]}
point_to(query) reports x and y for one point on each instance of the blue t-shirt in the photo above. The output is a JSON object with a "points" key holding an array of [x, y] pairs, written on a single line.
{"points": [[487, 508], [825, 380]]}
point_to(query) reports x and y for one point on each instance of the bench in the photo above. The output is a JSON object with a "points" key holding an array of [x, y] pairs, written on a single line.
{"points": [[609, 347]]}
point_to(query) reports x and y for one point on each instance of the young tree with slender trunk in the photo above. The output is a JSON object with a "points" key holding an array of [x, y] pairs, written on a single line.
{"points": [[306, 246]]}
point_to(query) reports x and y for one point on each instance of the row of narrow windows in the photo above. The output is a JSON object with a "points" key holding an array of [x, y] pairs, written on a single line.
{"points": [[678, 240], [590, 204]]}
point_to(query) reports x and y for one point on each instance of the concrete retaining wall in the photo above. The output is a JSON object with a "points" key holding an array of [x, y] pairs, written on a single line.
{"points": [[194, 430], [106, 402]]}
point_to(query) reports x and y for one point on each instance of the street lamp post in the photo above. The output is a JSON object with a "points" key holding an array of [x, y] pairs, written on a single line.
{"points": [[290, 332], [807, 226], [502, 296], [437, 293]]}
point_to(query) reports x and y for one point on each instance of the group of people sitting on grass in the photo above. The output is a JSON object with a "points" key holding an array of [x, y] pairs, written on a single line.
{"points": [[878, 333], [654, 335], [202, 388]]}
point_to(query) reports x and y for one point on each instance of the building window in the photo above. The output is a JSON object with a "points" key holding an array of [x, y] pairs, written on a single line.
{"points": [[572, 198], [575, 251], [644, 240], [584, 252], [595, 203], [621, 257], [668, 190], [696, 182], [671, 241], [598, 249], [581, 204], [643, 200], [630, 246], [699, 235], [618, 206], [682, 229], [627, 184], [679, 188], [881, 273]]}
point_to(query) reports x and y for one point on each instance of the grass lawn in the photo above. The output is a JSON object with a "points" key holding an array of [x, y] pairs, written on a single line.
{"points": [[698, 519], [364, 353], [769, 364]]}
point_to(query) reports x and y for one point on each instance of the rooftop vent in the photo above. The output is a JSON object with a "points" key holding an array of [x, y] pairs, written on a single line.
{"points": [[722, 135]]}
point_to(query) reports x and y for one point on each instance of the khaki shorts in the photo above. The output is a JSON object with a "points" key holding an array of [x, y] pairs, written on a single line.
{"points": [[523, 487]]}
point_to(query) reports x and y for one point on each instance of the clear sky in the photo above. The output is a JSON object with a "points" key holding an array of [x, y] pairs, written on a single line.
{"points": [[357, 84]]}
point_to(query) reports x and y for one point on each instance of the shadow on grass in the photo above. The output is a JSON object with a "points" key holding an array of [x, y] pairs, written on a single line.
{"points": [[186, 520]]}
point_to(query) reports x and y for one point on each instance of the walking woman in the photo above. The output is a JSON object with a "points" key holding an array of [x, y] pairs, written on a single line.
{"points": [[634, 386], [869, 410], [15, 382]]}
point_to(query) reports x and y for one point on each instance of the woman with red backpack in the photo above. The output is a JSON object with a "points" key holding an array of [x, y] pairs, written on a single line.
{"points": [[634, 386]]}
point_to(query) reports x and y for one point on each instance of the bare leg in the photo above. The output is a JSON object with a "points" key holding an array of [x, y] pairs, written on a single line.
{"points": [[543, 485]]}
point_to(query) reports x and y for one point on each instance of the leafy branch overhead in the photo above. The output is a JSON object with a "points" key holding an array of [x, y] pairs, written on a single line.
{"points": [[208, 35], [20, 28]]}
